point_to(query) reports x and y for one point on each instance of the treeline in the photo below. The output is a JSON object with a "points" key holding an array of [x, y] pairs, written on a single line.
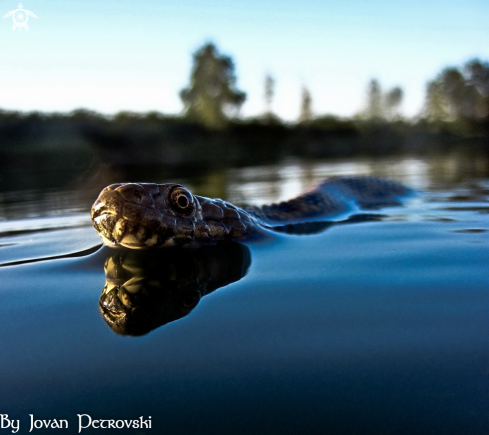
{"points": [[39, 150], [141, 139]]}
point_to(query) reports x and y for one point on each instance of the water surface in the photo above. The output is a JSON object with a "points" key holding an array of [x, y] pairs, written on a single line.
{"points": [[378, 326]]}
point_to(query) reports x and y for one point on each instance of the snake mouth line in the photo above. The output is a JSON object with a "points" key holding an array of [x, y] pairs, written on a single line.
{"points": [[134, 235]]}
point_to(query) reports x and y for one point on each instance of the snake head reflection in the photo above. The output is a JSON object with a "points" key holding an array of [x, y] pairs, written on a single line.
{"points": [[144, 291]]}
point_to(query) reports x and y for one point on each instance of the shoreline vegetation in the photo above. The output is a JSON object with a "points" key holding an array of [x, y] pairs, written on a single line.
{"points": [[50, 150]]}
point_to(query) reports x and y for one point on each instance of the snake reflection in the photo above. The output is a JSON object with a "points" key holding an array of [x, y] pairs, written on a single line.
{"points": [[144, 291]]}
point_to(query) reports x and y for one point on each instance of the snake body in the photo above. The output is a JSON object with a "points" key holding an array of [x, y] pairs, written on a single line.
{"points": [[146, 215]]}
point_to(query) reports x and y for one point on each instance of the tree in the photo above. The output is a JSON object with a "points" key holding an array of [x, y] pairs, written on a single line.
{"points": [[306, 106], [374, 100], [382, 106], [478, 74], [269, 93], [392, 101], [212, 97], [459, 93], [436, 106]]}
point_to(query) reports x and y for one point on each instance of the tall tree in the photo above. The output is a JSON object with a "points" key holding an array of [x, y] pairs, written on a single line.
{"points": [[459, 93], [478, 74], [437, 107], [382, 105], [374, 100], [392, 101], [269, 93], [212, 97], [306, 106]]}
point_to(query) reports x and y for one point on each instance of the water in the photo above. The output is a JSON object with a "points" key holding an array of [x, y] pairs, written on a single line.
{"points": [[378, 326]]}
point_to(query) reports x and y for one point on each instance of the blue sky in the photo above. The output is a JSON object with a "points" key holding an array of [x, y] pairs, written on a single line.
{"points": [[127, 55]]}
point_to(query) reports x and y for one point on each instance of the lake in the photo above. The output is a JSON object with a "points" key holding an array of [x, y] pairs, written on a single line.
{"points": [[374, 325]]}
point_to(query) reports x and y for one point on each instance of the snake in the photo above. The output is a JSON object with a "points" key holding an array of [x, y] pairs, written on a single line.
{"points": [[149, 215]]}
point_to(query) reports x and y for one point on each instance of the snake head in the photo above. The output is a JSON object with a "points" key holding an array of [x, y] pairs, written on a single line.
{"points": [[143, 215]]}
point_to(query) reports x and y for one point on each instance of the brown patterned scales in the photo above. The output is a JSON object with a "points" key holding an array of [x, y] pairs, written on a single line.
{"points": [[145, 215]]}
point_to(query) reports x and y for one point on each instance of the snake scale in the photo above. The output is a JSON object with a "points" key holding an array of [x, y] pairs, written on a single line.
{"points": [[146, 215]]}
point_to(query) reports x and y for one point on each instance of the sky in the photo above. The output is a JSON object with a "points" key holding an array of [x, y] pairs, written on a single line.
{"points": [[125, 55]]}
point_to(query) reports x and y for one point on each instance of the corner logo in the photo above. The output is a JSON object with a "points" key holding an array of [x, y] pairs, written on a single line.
{"points": [[20, 17]]}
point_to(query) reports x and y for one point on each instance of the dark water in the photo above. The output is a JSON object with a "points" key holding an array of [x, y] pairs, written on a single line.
{"points": [[379, 326]]}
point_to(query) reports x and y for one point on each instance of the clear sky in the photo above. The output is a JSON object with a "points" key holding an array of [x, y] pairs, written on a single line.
{"points": [[110, 56]]}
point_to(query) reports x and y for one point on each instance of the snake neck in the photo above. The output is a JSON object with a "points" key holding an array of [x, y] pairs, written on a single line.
{"points": [[333, 198], [227, 221]]}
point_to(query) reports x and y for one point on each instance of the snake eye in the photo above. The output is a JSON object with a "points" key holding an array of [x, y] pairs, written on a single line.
{"points": [[182, 201]]}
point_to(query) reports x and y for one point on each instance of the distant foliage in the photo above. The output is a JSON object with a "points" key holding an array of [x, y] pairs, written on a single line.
{"points": [[382, 106], [374, 100], [212, 98], [269, 94], [392, 101], [306, 106], [459, 93]]}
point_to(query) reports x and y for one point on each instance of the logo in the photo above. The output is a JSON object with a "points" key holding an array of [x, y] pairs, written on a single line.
{"points": [[20, 17]]}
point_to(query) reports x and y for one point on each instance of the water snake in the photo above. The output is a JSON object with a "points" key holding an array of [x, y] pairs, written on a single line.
{"points": [[146, 215]]}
